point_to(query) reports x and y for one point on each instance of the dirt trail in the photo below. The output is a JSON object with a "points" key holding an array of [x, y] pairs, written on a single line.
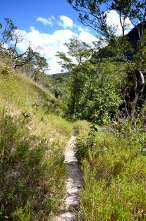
{"points": [[73, 184]]}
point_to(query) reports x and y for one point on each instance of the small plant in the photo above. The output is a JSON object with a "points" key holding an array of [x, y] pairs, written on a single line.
{"points": [[27, 117], [5, 71], [82, 149], [35, 105]]}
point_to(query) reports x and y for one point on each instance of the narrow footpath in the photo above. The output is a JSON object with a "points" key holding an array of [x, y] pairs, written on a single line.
{"points": [[73, 183]]}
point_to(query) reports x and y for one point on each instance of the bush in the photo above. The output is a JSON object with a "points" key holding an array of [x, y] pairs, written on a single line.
{"points": [[5, 71], [114, 176], [31, 168]]}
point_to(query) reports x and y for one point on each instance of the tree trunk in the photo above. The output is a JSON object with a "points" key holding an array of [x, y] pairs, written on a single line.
{"points": [[134, 106], [139, 89]]}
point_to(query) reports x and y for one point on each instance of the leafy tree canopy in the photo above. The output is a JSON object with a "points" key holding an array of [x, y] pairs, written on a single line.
{"points": [[94, 13]]}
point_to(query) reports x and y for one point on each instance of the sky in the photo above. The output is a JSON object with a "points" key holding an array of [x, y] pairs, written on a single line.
{"points": [[48, 24]]}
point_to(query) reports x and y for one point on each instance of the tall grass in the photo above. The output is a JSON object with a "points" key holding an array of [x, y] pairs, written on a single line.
{"points": [[31, 168], [114, 177], [32, 139]]}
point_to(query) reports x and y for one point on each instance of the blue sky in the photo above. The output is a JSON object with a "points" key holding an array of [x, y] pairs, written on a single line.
{"points": [[48, 24]]}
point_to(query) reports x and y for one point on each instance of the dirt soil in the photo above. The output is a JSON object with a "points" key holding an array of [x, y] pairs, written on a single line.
{"points": [[73, 183]]}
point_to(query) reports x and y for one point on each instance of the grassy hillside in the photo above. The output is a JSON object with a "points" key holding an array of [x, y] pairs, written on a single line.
{"points": [[32, 138]]}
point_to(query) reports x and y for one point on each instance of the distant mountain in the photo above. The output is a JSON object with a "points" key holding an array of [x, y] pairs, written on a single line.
{"points": [[58, 77], [133, 37]]}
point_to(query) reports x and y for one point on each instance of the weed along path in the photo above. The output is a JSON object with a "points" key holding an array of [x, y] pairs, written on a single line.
{"points": [[73, 183]]}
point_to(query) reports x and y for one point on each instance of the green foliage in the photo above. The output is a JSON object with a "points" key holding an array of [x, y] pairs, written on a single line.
{"points": [[138, 59], [9, 39], [94, 13], [106, 94], [90, 87], [32, 139], [30, 184], [5, 71], [133, 131], [83, 149], [7, 31], [114, 176], [40, 65], [80, 75]]}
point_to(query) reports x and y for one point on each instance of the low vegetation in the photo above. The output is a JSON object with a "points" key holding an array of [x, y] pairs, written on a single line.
{"points": [[113, 166], [32, 139]]}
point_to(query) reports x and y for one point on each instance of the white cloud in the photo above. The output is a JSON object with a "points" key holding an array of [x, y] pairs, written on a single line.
{"points": [[82, 28], [5, 46], [46, 21], [51, 43], [52, 18], [87, 37], [113, 19], [65, 22], [55, 67]]}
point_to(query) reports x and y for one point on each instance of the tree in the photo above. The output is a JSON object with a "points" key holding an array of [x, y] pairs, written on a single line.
{"points": [[81, 71], [40, 65], [10, 38], [94, 13], [90, 87], [7, 31]]}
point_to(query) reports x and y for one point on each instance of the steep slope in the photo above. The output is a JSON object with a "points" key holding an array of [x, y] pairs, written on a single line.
{"points": [[133, 37], [32, 140]]}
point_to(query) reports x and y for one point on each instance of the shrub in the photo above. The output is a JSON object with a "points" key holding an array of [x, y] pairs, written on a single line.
{"points": [[114, 176], [31, 171], [5, 71]]}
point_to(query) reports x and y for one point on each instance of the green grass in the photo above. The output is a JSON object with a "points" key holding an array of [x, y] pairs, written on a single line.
{"points": [[18, 89], [32, 139], [114, 174], [32, 169]]}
